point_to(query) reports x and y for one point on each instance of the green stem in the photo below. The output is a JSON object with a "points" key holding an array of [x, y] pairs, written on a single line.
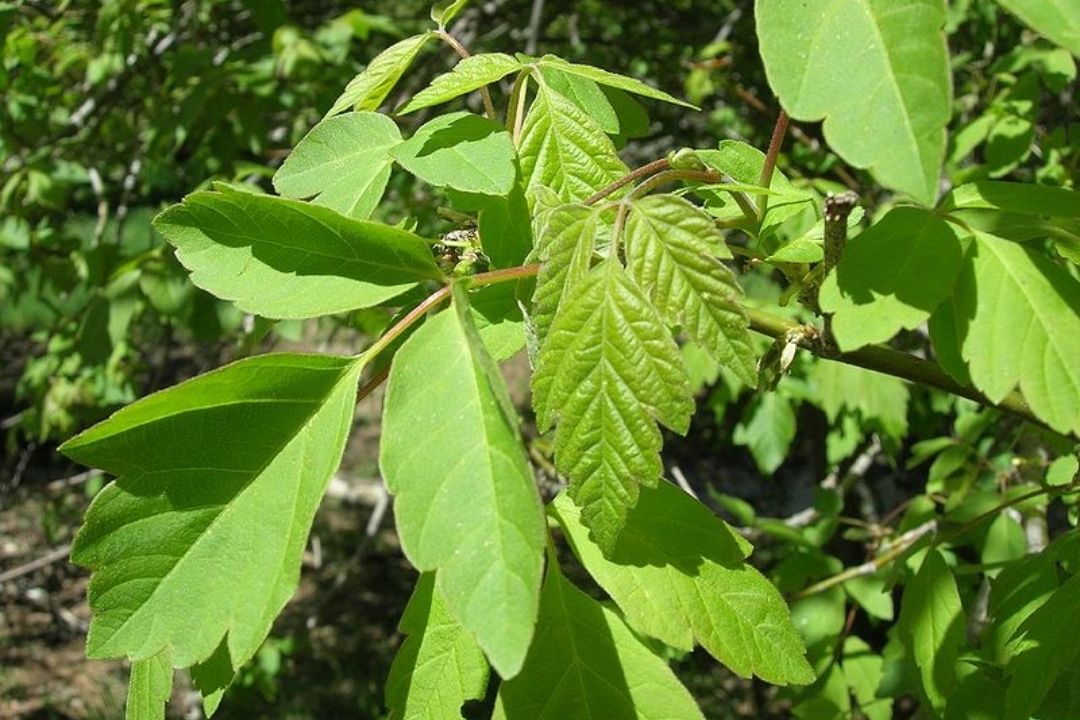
{"points": [[890, 362], [485, 95], [515, 108]]}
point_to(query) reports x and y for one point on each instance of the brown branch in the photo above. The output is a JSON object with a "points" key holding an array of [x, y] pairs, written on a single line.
{"points": [[634, 175], [767, 169]]}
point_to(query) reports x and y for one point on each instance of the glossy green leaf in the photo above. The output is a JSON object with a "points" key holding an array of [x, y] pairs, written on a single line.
{"points": [[610, 79], [284, 258], [218, 482], [586, 663], [891, 277], [673, 251], [608, 368], [680, 575], [1041, 649], [470, 74], [149, 687], [1058, 20], [1014, 197], [489, 549], [343, 163], [876, 72], [1005, 289], [367, 90], [565, 249], [767, 428], [439, 666], [461, 151], [564, 149], [932, 626]]}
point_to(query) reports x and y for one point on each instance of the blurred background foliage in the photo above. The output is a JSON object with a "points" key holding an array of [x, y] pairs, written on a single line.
{"points": [[112, 110]]}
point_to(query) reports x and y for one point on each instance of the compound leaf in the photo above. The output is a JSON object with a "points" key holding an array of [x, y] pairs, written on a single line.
{"points": [[673, 251], [283, 258], [196, 546], [1058, 20], [461, 151], [931, 625], [609, 366], [891, 277], [439, 666], [470, 74], [1018, 320], [367, 90], [466, 503], [564, 149], [875, 71], [586, 663], [343, 163], [680, 575]]}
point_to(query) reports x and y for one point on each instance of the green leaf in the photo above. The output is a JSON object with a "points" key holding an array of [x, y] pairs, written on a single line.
{"points": [[586, 663], [673, 252], [466, 503], [1018, 590], [504, 224], [610, 79], [197, 543], [679, 574], [150, 687], [1062, 471], [862, 669], [564, 149], [932, 626], [1041, 649], [1059, 20], [284, 258], [586, 94], [367, 90], [871, 593], [1023, 198], [879, 399], [470, 74], [876, 72], [343, 163], [497, 315], [461, 151], [439, 666], [1018, 320], [609, 366], [444, 12], [828, 699], [767, 428], [891, 277], [565, 250]]}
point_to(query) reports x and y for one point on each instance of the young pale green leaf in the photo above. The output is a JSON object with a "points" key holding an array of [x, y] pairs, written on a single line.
{"points": [[439, 666], [1023, 198], [878, 398], [586, 663], [1059, 20], [444, 12], [932, 626], [586, 94], [149, 687], [875, 71], [1005, 289], [673, 251], [367, 90], [565, 249], [609, 366], [603, 77], [343, 163], [197, 543], [891, 277], [470, 74], [284, 258], [1041, 649], [679, 574], [466, 503], [767, 429], [461, 151], [564, 149]]}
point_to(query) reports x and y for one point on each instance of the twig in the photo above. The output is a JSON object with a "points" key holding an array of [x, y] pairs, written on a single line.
{"points": [[634, 175], [680, 480], [775, 142], [44, 561]]}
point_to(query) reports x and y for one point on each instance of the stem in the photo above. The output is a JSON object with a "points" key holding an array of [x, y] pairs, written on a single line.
{"points": [[617, 230], [489, 107], [644, 171], [515, 109], [892, 362], [777, 139]]}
